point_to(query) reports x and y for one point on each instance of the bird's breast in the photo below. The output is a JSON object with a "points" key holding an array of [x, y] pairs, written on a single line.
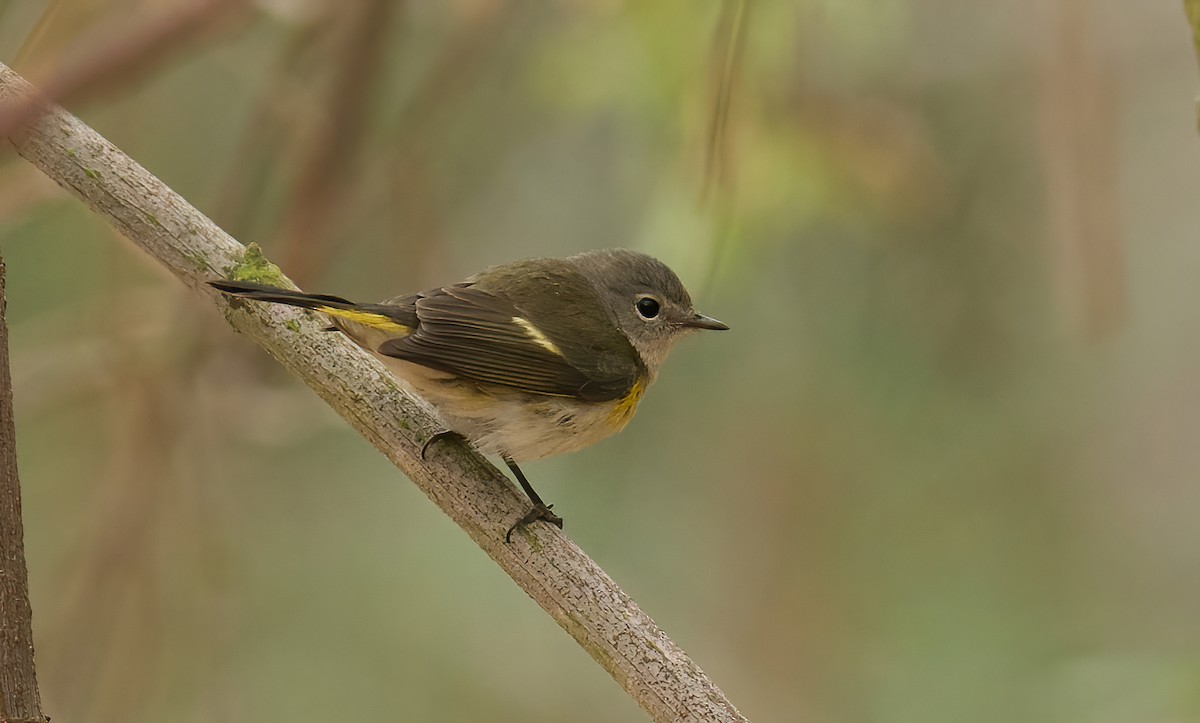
{"points": [[499, 420]]}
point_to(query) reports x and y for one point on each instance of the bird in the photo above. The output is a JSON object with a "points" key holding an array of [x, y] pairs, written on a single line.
{"points": [[524, 360]]}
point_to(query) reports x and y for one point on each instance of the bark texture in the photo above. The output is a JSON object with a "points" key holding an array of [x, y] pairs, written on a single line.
{"points": [[547, 565], [19, 698]]}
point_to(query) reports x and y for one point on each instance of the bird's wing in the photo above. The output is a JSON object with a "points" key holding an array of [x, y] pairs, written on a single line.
{"points": [[481, 336]]}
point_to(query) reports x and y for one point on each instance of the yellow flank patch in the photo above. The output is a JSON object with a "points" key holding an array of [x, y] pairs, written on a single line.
{"points": [[366, 318], [625, 407], [537, 336]]}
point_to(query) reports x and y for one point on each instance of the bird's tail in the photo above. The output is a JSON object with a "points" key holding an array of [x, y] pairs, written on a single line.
{"points": [[378, 316], [276, 295]]}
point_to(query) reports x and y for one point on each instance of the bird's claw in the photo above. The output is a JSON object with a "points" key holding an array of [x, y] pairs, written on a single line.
{"points": [[538, 512]]}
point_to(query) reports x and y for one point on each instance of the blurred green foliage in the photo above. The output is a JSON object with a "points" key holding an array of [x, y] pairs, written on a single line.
{"points": [[942, 469]]}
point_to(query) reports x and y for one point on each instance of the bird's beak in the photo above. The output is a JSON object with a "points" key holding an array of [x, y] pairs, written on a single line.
{"points": [[700, 321]]}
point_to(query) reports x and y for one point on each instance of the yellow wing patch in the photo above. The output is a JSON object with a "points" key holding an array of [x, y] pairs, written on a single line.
{"points": [[366, 318], [537, 336]]}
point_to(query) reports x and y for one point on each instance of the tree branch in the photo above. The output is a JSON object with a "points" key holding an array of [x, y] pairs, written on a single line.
{"points": [[19, 699], [547, 565]]}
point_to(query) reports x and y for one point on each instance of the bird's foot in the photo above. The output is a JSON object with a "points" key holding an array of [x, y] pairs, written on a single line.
{"points": [[444, 434], [538, 512]]}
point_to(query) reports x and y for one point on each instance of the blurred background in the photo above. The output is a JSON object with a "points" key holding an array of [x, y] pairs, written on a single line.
{"points": [[944, 468]]}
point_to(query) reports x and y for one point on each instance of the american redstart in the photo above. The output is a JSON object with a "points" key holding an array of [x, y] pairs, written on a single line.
{"points": [[524, 360]]}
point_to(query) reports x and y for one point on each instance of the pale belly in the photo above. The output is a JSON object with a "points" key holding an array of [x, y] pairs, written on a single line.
{"points": [[503, 421]]}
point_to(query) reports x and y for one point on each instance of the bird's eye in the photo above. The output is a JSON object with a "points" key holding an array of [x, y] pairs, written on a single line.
{"points": [[648, 307]]}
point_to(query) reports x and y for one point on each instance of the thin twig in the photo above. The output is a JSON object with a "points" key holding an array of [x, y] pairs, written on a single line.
{"points": [[546, 564]]}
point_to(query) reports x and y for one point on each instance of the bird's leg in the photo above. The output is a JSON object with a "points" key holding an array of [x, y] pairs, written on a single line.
{"points": [[540, 511], [444, 434]]}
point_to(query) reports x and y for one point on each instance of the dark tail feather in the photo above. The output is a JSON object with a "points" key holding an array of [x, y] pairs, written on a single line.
{"points": [[275, 295]]}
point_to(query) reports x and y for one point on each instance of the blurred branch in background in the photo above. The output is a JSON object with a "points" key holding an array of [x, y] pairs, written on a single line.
{"points": [[117, 587], [20, 701], [580, 596], [267, 130], [116, 583], [1078, 153], [717, 189], [1192, 9], [340, 117], [412, 194], [728, 42], [117, 59]]}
